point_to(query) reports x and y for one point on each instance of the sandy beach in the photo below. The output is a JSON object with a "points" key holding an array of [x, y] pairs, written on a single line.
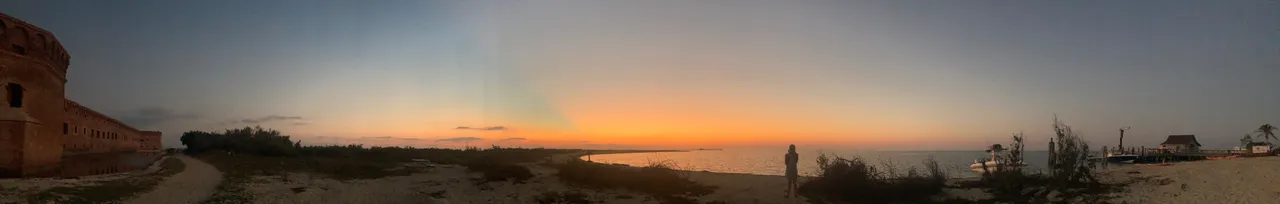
{"points": [[454, 184], [1239, 180]]}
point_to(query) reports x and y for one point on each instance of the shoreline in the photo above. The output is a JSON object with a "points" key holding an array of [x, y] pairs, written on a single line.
{"points": [[600, 152], [731, 187], [1179, 182]]}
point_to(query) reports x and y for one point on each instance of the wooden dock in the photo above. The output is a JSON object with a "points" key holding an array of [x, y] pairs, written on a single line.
{"points": [[1155, 155]]}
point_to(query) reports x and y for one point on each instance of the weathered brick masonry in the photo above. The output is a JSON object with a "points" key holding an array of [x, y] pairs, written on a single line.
{"points": [[38, 125]]}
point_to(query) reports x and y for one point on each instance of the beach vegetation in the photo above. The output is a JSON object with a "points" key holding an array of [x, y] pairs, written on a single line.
{"points": [[515, 173], [1069, 172], [264, 151], [1007, 179], [659, 180], [568, 197], [1069, 165], [254, 151], [1267, 132], [853, 180]]}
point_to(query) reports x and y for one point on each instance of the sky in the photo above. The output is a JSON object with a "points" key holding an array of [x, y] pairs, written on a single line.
{"points": [[877, 75]]}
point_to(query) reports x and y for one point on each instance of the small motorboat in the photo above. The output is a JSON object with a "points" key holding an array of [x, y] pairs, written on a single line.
{"points": [[1115, 157], [991, 164]]}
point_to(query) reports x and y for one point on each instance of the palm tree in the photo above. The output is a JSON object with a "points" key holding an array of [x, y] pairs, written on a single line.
{"points": [[1267, 132]]}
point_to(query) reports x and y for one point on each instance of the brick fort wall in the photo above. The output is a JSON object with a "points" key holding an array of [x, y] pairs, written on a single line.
{"points": [[38, 125]]}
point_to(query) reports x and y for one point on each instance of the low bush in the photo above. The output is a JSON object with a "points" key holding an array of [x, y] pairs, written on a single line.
{"points": [[512, 172], [853, 180], [1069, 161], [1006, 180], [562, 198], [1069, 168], [660, 181], [254, 150]]}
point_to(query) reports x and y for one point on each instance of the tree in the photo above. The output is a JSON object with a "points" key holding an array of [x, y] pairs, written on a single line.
{"points": [[1070, 158], [1267, 131], [1244, 142], [248, 140]]}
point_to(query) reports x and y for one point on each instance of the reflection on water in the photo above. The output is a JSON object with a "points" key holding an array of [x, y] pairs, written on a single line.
{"points": [[96, 164]]}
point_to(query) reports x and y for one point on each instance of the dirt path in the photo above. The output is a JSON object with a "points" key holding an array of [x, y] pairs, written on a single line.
{"points": [[193, 185]]}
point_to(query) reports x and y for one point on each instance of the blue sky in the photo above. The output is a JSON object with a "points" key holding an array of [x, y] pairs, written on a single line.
{"points": [[876, 74]]}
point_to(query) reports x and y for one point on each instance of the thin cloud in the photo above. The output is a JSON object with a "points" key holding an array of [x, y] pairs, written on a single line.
{"points": [[269, 118], [460, 139], [515, 139], [491, 128], [149, 116]]}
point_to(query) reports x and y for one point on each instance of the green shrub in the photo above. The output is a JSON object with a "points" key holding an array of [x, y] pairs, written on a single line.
{"points": [[854, 180], [255, 140], [1007, 180], [1069, 161], [1069, 168]]}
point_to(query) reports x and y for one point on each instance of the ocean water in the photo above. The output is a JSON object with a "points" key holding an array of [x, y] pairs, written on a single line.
{"points": [[770, 161]]}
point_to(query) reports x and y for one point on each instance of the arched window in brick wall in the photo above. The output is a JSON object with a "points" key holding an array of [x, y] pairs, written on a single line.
{"points": [[20, 39], [40, 42], [15, 95]]}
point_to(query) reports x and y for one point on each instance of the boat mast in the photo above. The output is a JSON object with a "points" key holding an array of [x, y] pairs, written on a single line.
{"points": [[1121, 146]]}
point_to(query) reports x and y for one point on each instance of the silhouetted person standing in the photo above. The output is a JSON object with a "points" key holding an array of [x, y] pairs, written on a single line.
{"points": [[792, 174]]}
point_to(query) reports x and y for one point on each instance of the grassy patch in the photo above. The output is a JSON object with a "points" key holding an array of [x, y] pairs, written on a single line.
{"points": [[112, 191], [659, 180]]}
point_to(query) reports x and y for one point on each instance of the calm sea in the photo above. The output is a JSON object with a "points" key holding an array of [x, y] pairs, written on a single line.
{"points": [[770, 161]]}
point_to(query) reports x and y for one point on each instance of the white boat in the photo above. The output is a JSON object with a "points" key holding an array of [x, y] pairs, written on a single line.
{"points": [[1121, 157], [991, 164]]}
